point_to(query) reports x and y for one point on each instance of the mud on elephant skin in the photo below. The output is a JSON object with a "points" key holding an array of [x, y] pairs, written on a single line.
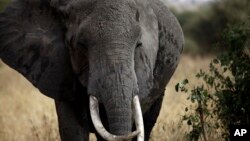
{"points": [[112, 52]]}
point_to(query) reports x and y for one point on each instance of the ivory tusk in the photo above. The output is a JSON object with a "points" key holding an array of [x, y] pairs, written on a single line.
{"points": [[138, 118], [94, 112]]}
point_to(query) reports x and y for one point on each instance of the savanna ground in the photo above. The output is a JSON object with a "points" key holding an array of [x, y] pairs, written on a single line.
{"points": [[27, 115]]}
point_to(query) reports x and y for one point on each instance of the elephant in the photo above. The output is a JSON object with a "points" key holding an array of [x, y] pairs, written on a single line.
{"points": [[105, 63]]}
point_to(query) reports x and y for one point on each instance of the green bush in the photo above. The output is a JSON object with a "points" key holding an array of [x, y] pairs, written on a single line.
{"points": [[224, 94], [205, 25], [3, 3]]}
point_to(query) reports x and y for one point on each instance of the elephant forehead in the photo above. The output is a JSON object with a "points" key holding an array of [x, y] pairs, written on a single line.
{"points": [[115, 12], [101, 19], [116, 21], [100, 28]]}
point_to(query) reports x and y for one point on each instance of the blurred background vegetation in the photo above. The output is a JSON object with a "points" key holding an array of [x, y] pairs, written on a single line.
{"points": [[203, 25], [3, 3]]}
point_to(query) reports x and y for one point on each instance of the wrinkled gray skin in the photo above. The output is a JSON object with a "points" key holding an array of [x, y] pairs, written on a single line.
{"points": [[112, 49]]}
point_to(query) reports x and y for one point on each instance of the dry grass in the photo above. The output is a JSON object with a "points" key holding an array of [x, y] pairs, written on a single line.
{"points": [[169, 126], [25, 114]]}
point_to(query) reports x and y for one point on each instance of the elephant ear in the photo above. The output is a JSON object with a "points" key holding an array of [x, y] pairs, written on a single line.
{"points": [[32, 42]]}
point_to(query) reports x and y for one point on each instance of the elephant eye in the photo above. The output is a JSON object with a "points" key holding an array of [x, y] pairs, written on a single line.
{"points": [[139, 44], [82, 46]]}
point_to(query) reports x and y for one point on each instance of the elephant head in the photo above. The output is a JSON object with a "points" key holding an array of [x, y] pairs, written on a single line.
{"points": [[107, 38]]}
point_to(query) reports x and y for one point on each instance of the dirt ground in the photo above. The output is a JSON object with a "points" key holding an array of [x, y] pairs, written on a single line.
{"points": [[27, 115]]}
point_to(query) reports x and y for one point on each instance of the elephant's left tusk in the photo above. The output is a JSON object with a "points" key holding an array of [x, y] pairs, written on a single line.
{"points": [[138, 118]]}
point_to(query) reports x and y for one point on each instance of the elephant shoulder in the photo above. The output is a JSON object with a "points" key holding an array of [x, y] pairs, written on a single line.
{"points": [[170, 31], [171, 41]]}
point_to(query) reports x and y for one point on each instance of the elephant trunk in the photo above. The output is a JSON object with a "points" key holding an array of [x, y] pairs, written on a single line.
{"points": [[113, 81], [116, 91], [118, 107]]}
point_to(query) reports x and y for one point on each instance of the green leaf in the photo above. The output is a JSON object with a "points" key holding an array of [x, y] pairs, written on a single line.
{"points": [[215, 61], [177, 87], [185, 81], [224, 69], [184, 117]]}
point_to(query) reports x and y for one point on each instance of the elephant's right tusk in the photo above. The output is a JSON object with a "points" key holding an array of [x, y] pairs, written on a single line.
{"points": [[94, 112], [138, 118]]}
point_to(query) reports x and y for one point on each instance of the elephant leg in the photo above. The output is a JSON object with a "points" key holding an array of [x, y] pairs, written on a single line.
{"points": [[70, 128], [73, 115], [150, 117], [99, 138]]}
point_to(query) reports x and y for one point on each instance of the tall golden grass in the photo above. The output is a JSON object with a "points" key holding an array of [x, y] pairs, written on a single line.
{"points": [[27, 115]]}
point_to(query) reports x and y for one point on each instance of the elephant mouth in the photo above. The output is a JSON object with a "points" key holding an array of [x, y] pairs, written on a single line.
{"points": [[94, 112]]}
